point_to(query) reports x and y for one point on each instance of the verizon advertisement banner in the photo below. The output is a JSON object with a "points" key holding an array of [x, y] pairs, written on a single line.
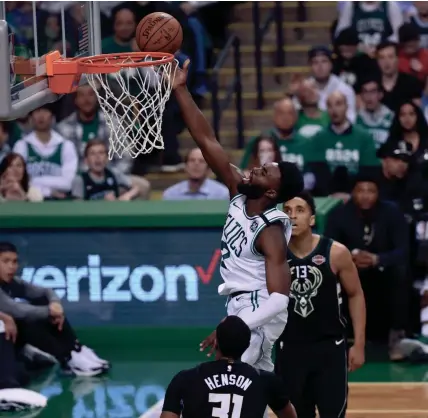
{"points": [[135, 277]]}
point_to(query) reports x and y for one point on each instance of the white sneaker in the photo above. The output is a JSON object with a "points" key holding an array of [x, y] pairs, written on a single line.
{"points": [[92, 356], [21, 400], [81, 366]]}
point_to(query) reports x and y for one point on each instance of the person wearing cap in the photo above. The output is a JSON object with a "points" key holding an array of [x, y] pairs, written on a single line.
{"points": [[51, 160], [374, 21], [226, 387], [373, 115], [349, 64], [376, 233], [321, 63], [399, 180], [412, 59]]}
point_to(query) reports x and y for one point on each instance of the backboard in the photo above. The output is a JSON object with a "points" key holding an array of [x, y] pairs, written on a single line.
{"points": [[27, 33]]}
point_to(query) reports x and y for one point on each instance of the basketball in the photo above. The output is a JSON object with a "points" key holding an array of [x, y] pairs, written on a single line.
{"points": [[159, 32]]}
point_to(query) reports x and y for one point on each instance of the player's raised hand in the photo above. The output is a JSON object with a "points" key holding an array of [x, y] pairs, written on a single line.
{"points": [[180, 78], [209, 342]]}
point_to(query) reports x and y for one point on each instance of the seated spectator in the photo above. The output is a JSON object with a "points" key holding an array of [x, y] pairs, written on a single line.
{"points": [[292, 147], [320, 60], [51, 160], [12, 397], [124, 24], [342, 144], [399, 180], [409, 125], [99, 182], [198, 186], [310, 118], [349, 64], [374, 116], [420, 19], [265, 150], [376, 233], [412, 59], [4, 136], [14, 181], [88, 122], [397, 87], [40, 319], [374, 21]]}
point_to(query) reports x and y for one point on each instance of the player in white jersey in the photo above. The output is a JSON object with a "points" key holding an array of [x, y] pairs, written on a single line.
{"points": [[254, 243]]}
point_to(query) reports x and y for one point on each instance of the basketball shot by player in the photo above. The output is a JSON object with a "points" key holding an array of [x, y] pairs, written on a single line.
{"points": [[254, 241], [227, 387], [312, 355]]}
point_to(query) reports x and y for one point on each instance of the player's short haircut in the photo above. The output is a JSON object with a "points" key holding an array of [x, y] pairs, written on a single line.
{"points": [[7, 247], [92, 143], [307, 197], [233, 337], [291, 181]]}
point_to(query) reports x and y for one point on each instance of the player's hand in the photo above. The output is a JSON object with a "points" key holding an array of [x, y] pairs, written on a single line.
{"points": [[209, 342], [9, 328], [356, 358], [58, 321], [180, 78], [55, 309]]}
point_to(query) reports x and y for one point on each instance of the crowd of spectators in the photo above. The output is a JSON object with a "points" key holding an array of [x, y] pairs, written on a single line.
{"points": [[356, 127]]}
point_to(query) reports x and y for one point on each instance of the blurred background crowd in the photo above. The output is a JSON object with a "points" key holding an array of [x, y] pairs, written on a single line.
{"points": [[350, 108]]}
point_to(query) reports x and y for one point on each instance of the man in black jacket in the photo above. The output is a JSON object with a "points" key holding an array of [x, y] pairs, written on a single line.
{"points": [[40, 319], [376, 233]]}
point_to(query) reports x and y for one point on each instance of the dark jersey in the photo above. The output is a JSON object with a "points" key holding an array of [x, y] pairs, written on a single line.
{"points": [[224, 389], [94, 190], [314, 312]]}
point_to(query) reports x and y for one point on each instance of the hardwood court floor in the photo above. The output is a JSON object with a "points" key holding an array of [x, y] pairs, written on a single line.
{"points": [[385, 400]]}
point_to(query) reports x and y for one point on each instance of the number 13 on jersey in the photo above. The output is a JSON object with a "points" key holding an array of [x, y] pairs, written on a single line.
{"points": [[230, 405]]}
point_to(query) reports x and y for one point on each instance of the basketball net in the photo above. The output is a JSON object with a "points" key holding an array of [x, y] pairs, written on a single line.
{"points": [[133, 101]]}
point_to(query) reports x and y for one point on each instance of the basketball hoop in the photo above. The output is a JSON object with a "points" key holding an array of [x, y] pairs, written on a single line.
{"points": [[132, 90]]}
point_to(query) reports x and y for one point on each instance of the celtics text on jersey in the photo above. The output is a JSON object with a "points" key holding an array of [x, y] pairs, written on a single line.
{"points": [[39, 165], [242, 267]]}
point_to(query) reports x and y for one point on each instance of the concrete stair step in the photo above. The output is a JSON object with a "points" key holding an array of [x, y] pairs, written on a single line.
{"points": [[249, 100], [295, 55], [316, 10], [314, 33], [253, 119], [228, 138], [274, 78]]}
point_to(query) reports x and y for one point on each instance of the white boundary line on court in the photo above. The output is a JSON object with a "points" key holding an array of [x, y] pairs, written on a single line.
{"points": [[156, 409]]}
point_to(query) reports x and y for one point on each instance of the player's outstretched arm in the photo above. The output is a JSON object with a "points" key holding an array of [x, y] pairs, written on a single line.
{"points": [[276, 392], [341, 261], [271, 243], [203, 134]]}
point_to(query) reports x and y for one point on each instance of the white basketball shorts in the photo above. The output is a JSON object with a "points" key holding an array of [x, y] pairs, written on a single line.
{"points": [[259, 352]]}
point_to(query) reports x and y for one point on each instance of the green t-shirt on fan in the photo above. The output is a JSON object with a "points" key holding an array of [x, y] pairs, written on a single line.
{"points": [[110, 46], [352, 149], [308, 127], [376, 123], [291, 150], [89, 130]]}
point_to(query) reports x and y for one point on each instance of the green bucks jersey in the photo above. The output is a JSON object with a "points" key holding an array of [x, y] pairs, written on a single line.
{"points": [[39, 165], [377, 123], [372, 27], [351, 149]]}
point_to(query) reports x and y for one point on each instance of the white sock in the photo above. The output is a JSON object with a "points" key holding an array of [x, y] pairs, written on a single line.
{"points": [[424, 320]]}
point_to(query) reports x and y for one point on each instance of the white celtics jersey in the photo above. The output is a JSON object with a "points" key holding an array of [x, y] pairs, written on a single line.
{"points": [[242, 268]]}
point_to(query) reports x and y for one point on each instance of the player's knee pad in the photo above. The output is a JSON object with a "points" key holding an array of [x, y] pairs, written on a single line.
{"points": [[255, 351]]}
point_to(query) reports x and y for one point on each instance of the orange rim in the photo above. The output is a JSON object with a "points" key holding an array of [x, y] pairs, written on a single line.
{"points": [[97, 64]]}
